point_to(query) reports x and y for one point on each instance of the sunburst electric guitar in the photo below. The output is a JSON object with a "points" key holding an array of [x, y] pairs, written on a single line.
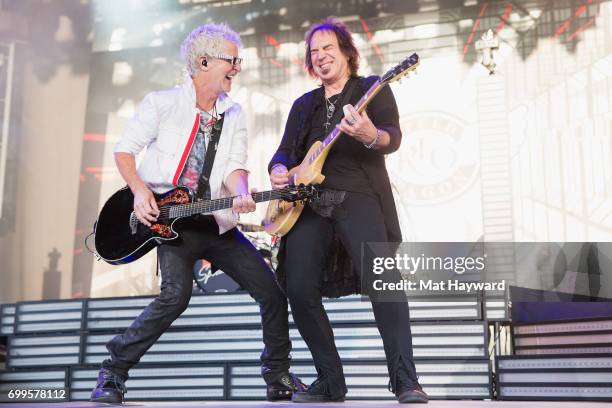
{"points": [[281, 215]]}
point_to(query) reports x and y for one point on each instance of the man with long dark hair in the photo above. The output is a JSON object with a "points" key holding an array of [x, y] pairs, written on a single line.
{"points": [[360, 209]]}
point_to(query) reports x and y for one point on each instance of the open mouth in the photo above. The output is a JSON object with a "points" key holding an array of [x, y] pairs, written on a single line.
{"points": [[325, 68]]}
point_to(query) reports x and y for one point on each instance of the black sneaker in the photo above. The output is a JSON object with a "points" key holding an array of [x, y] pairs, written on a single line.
{"points": [[319, 391], [407, 390], [110, 388], [282, 387]]}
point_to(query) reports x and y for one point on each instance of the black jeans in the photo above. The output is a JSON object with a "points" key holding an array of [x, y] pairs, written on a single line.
{"points": [[358, 219], [230, 252]]}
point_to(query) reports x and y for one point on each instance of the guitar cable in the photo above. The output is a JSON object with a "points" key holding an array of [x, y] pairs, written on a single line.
{"points": [[93, 252]]}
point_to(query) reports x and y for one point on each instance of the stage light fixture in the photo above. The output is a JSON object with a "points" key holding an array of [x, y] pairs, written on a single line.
{"points": [[239, 309], [431, 340], [36, 379], [49, 316], [576, 336], [151, 383], [43, 350], [560, 378], [448, 379], [7, 319]]}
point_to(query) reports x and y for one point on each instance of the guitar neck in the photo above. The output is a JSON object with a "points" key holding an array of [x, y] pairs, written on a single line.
{"points": [[360, 107], [208, 206], [394, 74]]}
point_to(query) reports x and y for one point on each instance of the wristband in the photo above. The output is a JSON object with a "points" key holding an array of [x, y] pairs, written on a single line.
{"points": [[375, 141], [276, 164]]}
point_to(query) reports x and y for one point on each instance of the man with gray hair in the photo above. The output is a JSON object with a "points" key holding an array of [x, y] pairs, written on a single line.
{"points": [[196, 136]]}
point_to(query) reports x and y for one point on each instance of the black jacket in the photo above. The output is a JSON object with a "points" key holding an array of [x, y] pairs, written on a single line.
{"points": [[340, 277]]}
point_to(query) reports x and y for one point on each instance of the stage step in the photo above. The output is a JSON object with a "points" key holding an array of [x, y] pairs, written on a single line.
{"points": [[212, 351], [49, 316], [159, 382], [439, 340], [44, 350], [54, 380], [430, 340], [448, 379], [235, 309], [576, 336], [239, 309], [7, 319], [496, 307], [562, 378], [217, 310]]}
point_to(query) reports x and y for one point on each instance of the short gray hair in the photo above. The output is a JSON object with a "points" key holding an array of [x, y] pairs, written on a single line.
{"points": [[206, 39]]}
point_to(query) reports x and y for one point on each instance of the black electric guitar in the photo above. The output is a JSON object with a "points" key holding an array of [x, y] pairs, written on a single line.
{"points": [[121, 238]]}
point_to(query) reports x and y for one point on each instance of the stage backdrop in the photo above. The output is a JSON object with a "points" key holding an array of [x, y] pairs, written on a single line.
{"points": [[522, 155]]}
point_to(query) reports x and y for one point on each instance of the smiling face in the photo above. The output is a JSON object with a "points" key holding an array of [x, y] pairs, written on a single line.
{"points": [[217, 76], [328, 62]]}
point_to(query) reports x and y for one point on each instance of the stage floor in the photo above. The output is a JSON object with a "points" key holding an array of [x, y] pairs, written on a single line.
{"points": [[347, 404]]}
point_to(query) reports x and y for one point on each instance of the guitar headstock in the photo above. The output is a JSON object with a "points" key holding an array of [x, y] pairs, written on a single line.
{"points": [[403, 68], [297, 193]]}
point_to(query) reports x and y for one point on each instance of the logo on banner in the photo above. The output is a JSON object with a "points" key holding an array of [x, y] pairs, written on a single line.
{"points": [[438, 158]]}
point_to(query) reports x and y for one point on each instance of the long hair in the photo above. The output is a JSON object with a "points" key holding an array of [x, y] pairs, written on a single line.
{"points": [[345, 41]]}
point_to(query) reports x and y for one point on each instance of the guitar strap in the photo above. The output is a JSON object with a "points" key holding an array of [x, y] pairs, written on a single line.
{"points": [[209, 158], [306, 113], [339, 112], [329, 200]]}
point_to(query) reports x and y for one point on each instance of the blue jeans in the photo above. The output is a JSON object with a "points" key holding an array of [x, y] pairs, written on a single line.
{"points": [[230, 252]]}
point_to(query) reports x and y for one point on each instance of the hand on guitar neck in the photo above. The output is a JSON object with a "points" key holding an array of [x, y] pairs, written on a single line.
{"points": [[238, 184], [279, 176], [147, 210], [244, 203], [280, 217], [360, 127]]}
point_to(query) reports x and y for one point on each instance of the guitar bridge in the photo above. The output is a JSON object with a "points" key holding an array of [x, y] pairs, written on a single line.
{"points": [[133, 223]]}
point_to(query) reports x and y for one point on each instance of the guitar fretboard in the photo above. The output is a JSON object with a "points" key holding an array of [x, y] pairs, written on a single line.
{"points": [[360, 106], [208, 206]]}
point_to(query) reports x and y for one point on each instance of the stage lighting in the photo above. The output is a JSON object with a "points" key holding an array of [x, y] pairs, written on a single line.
{"points": [[561, 378], [36, 379], [167, 382], [239, 309], [447, 379], [354, 342], [576, 336], [49, 316], [7, 319], [43, 350]]}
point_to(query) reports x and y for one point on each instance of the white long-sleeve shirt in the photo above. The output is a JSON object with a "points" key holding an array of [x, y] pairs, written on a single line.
{"points": [[166, 123]]}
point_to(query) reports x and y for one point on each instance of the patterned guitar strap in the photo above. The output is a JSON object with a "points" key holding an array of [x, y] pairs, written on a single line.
{"points": [[209, 158]]}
